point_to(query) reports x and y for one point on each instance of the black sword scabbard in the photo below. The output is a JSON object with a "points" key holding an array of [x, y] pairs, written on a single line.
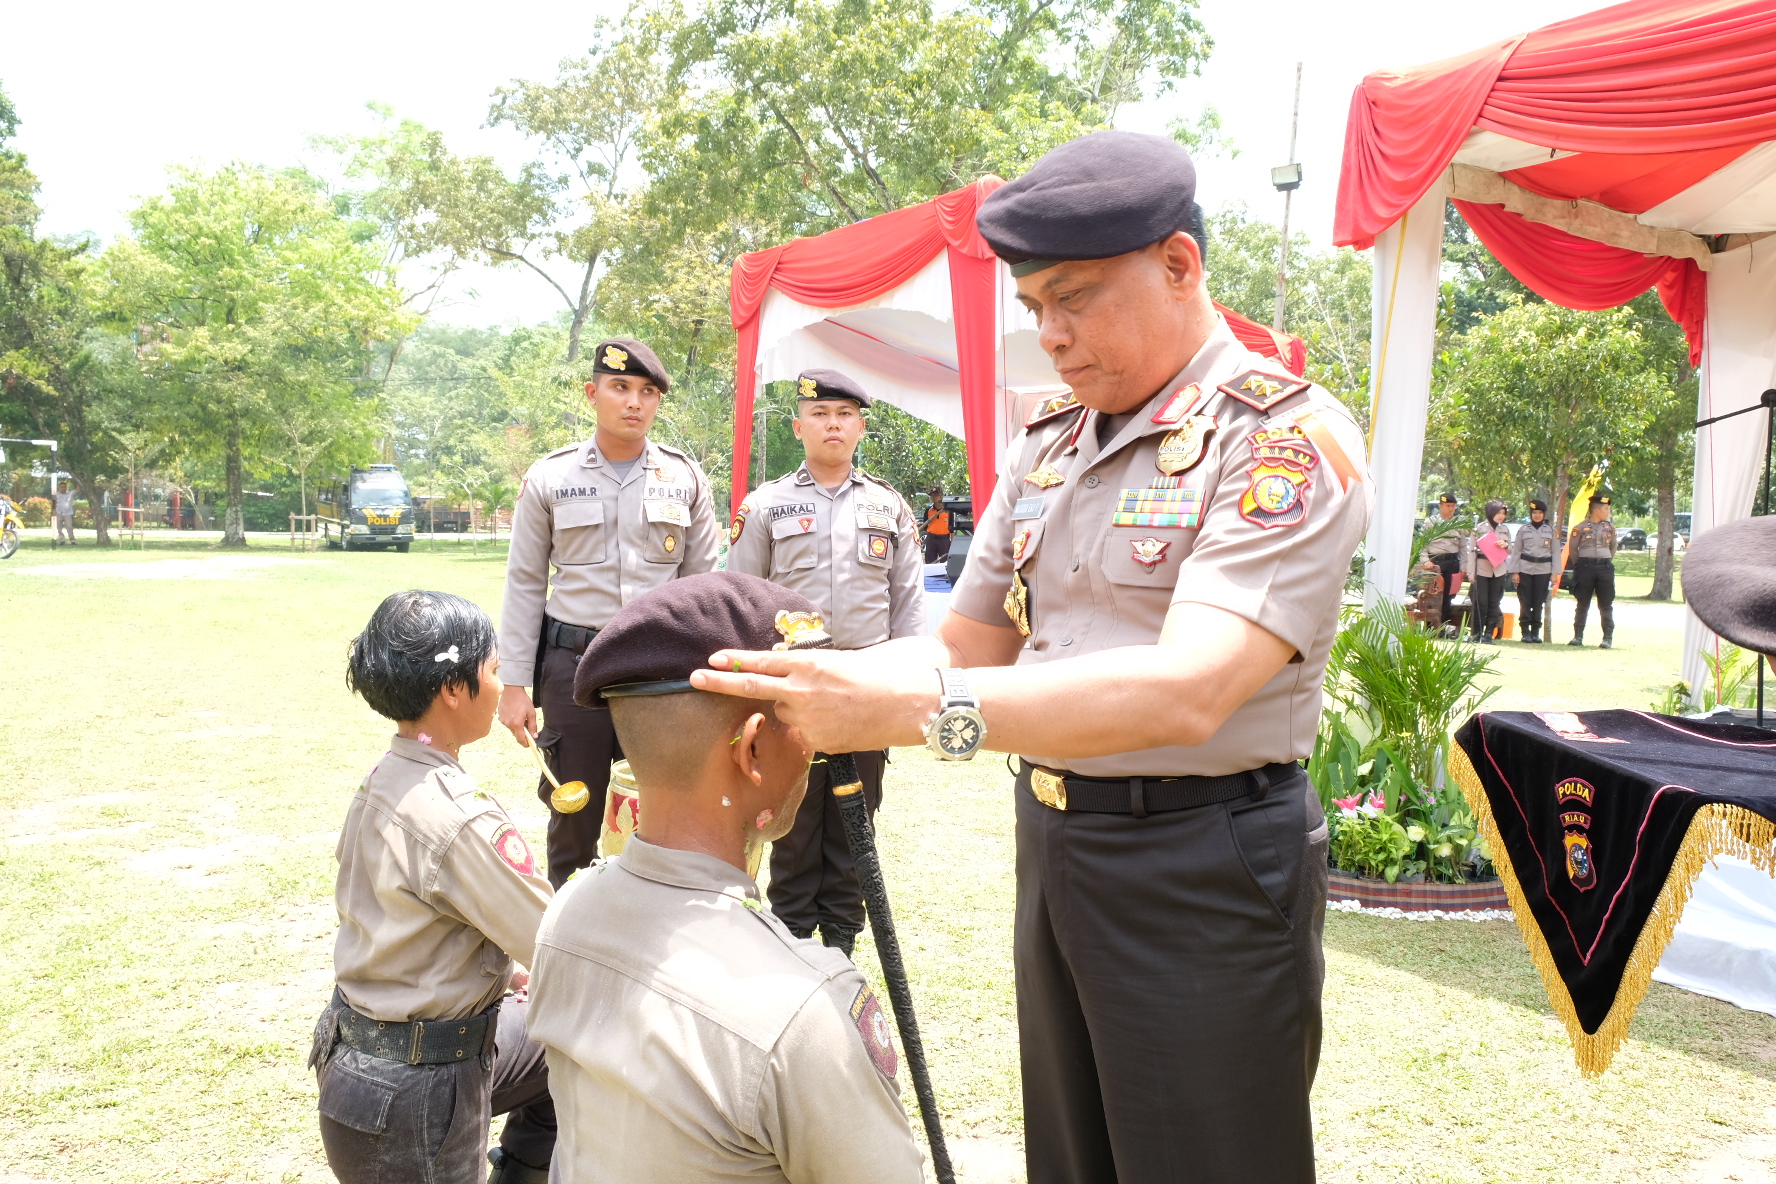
{"points": [[861, 837]]}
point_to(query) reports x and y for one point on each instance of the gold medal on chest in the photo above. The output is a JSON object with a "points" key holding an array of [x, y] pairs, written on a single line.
{"points": [[1183, 446], [1045, 477], [1017, 603]]}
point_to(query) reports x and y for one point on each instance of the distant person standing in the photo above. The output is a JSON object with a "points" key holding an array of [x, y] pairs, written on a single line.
{"points": [[64, 514], [1445, 554], [1531, 567], [937, 528], [1591, 546], [1485, 565]]}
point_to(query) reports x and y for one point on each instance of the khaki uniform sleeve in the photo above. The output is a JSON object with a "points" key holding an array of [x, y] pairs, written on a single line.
{"points": [[488, 879], [906, 583], [703, 539], [527, 581], [986, 576], [825, 1110], [750, 552], [1284, 579]]}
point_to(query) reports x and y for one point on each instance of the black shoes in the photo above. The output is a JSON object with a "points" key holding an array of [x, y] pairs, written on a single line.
{"points": [[1605, 643], [1577, 640], [843, 940]]}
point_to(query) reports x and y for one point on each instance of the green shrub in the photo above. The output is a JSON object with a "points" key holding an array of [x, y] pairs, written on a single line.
{"points": [[37, 511]]}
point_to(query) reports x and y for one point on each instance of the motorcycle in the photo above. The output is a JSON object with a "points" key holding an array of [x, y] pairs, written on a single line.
{"points": [[11, 522]]}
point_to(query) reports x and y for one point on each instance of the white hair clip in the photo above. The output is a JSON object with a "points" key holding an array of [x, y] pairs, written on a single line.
{"points": [[450, 653]]}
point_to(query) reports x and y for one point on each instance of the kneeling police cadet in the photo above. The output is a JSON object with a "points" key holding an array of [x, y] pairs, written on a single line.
{"points": [[849, 543], [614, 516], [1145, 618], [437, 894], [690, 1034]]}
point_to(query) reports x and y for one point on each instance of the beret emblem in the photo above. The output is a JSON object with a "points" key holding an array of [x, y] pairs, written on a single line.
{"points": [[615, 358], [808, 390], [799, 629]]}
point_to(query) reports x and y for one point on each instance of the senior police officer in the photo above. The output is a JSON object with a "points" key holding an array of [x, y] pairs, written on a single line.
{"points": [[615, 516], [1446, 553], [1591, 547], [1531, 566], [1163, 561], [848, 542]]}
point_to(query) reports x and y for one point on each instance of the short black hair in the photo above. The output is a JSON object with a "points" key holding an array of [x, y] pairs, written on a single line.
{"points": [[1198, 229], [403, 658]]}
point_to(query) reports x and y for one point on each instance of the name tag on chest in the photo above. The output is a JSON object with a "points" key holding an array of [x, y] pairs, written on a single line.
{"points": [[873, 518], [1027, 507], [660, 510], [1148, 506]]}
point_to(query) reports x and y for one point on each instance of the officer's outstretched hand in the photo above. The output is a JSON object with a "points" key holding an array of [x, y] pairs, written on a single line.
{"points": [[841, 700], [518, 713]]}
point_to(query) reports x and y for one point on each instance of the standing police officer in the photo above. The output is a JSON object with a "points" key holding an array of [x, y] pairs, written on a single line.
{"points": [[615, 516], [1531, 567], [1162, 563], [1592, 548], [847, 541], [1446, 554]]}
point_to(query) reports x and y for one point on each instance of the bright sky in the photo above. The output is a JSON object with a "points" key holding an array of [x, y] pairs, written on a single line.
{"points": [[111, 93]]}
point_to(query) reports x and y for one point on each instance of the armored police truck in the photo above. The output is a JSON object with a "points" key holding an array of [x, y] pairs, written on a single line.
{"points": [[371, 508]]}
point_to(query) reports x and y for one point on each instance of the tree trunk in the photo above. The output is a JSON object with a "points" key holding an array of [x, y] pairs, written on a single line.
{"points": [[234, 529], [1664, 560], [89, 489]]}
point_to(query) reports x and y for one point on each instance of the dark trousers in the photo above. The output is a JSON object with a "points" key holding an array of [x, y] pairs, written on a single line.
{"points": [[1532, 594], [937, 548], [384, 1122], [1169, 972], [1594, 577], [580, 745], [813, 881], [1486, 596], [1448, 565]]}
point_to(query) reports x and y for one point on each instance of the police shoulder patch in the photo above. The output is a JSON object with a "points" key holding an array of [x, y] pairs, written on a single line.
{"points": [[1262, 391], [1276, 494], [1051, 408], [872, 1025], [510, 846], [739, 523]]}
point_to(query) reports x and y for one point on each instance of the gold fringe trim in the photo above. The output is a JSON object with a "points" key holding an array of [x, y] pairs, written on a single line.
{"points": [[1715, 830]]}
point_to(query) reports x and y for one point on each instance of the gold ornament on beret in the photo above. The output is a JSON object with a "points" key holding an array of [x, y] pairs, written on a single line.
{"points": [[799, 629], [615, 358], [808, 389]]}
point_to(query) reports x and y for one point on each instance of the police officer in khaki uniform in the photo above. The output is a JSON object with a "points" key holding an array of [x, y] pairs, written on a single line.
{"points": [[848, 542], [690, 1035], [437, 894], [614, 516], [1531, 566], [1145, 618], [1446, 554], [1591, 546]]}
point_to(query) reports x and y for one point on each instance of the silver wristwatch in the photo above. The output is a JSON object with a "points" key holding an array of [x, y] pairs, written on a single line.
{"points": [[956, 731]]}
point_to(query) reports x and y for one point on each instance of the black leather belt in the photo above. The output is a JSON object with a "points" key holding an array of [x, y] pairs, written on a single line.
{"points": [[568, 637], [419, 1042], [1142, 796]]}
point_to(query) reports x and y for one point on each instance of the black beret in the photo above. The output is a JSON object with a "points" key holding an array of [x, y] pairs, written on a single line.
{"points": [[1600, 499], [830, 384], [656, 640], [1101, 195], [1447, 499], [1536, 503], [1729, 581], [625, 355]]}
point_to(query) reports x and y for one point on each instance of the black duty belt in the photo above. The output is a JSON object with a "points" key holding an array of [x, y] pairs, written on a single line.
{"points": [[1142, 796], [419, 1042], [568, 637], [1594, 559]]}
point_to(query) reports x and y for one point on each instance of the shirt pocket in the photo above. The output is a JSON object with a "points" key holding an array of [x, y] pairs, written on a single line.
{"points": [[579, 533], [1145, 556], [792, 547], [667, 522]]}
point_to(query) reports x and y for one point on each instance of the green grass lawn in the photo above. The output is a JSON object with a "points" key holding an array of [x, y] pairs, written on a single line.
{"points": [[178, 754]]}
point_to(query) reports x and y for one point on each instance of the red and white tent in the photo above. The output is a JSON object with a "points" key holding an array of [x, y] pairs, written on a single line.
{"points": [[914, 305], [1630, 148]]}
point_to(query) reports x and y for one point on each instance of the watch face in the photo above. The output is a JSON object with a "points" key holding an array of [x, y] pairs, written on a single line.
{"points": [[959, 733]]}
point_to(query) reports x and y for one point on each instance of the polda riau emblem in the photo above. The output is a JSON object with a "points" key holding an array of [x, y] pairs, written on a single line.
{"points": [[1276, 495]]}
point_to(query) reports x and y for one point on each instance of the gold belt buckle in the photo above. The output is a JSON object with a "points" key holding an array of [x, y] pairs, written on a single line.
{"points": [[1050, 790]]}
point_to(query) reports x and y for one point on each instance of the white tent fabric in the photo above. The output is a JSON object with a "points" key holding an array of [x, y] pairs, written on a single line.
{"points": [[1725, 946], [901, 347]]}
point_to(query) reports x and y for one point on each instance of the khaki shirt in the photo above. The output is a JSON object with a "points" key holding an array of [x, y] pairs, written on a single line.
{"points": [[437, 892], [1474, 560], [1532, 551], [1593, 540], [691, 1037], [1453, 543], [854, 553], [1107, 551], [610, 539]]}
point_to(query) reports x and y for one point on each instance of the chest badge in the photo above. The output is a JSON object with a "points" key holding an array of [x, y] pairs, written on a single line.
{"points": [[1045, 477], [1017, 603], [1183, 446], [806, 523], [1019, 544], [671, 544], [1276, 495], [1149, 551], [878, 547]]}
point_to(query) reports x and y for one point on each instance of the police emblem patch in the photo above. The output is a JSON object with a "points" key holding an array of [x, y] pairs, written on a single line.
{"points": [[615, 358], [878, 547], [799, 629], [739, 523], [1045, 477], [1580, 866], [872, 1025], [509, 845], [671, 544], [1174, 408], [1149, 551], [1276, 494], [807, 524], [1183, 446]]}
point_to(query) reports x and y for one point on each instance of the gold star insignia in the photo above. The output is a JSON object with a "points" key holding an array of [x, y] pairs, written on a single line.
{"points": [[1258, 385], [615, 358]]}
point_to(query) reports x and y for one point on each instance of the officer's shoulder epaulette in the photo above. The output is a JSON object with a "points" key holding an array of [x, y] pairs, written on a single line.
{"points": [[1052, 407], [678, 452], [562, 451], [882, 481], [1261, 390]]}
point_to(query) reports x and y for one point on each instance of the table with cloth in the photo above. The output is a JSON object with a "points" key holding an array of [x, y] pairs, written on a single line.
{"points": [[1599, 824]]}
